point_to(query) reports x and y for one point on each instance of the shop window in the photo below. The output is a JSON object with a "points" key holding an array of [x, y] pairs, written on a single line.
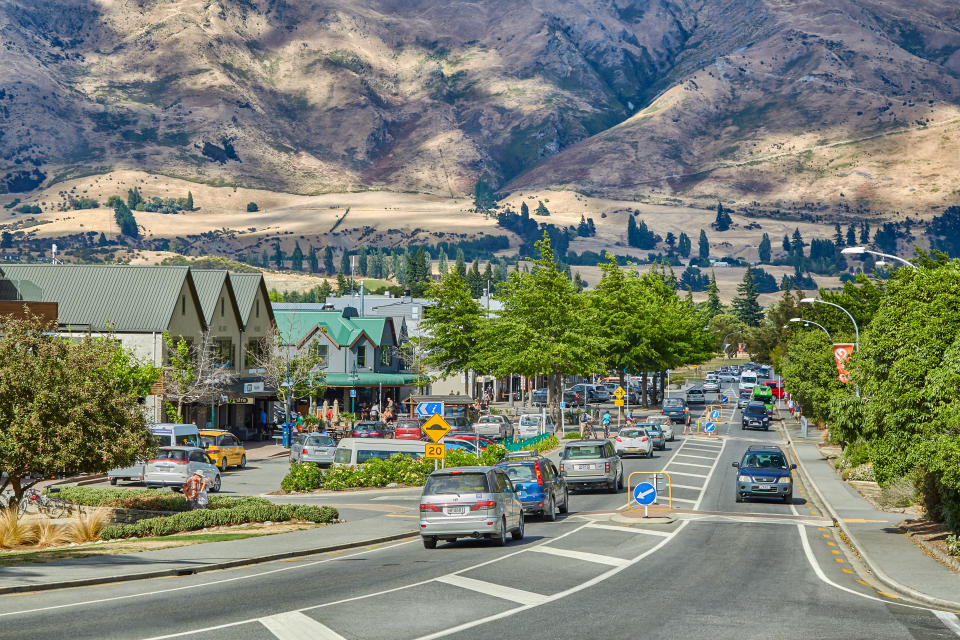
{"points": [[253, 352]]}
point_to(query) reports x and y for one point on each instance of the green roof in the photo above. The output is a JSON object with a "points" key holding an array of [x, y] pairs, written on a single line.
{"points": [[296, 324], [120, 297], [209, 284], [245, 288], [369, 379]]}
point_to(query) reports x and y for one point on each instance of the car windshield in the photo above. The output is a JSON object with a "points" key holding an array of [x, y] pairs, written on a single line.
{"points": [[527, 421], [653, 429], [489, 420], [756, 407], [171, 454], [764, 461], [632, 433], [521, 472], [320, 441], [456, 483], [583, 451], [672, 403]]}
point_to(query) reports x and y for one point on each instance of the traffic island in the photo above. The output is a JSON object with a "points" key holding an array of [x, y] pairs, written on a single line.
{"points": [[638, 516]]}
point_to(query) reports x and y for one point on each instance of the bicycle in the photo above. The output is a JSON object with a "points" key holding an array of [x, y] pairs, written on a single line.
{"points": [[52, 507], [587, 432]]}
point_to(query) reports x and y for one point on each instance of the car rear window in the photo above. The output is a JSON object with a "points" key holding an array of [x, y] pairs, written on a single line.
{"points": [[320, 441], [456, 483], [369, 454], [694, 392], [632, 433], [521, 472], [188, 440], [208, 441], [576, 452], [672, 402], [171, 454], [408, 424]]}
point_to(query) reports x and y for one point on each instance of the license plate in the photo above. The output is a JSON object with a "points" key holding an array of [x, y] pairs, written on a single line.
{"points": [[632, 449], [765, 486], [456, 511], [582, 467]]}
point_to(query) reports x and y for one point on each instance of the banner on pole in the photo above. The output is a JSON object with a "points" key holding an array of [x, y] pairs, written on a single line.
{"points": [[841, 353]]}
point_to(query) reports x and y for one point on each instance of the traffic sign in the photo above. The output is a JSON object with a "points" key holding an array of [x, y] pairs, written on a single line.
{"points": [[433, 451], [563, 405], [436, 427], [724, 399], [645, 493], [618, 402], [715, 413], [619, 392], [353, 393], [426, 409], [710, 427]]}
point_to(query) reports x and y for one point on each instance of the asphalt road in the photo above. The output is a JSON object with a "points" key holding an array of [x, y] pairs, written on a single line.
{"points": [[722, 570]]}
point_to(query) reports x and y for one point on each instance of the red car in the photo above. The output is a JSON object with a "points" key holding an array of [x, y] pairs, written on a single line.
{"points": [[777, 388], [469, 438], [408, 429]]}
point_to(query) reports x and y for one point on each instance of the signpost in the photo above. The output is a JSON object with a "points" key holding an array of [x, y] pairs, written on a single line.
{"points": [[427, 409], [434, 451], [724, 399], [619, 392], [645, 494], [710, 427], [436, 427]]}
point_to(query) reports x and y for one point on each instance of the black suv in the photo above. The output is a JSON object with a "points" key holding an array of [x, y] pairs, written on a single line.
{"points": [[755, 416], [763, 472]]}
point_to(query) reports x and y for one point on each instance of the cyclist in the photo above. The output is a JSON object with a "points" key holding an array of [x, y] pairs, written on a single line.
{"points": [[606, 423], [584, 422]]}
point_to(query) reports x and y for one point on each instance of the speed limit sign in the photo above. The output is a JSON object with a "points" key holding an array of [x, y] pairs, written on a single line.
{"points": [[434, 451]]}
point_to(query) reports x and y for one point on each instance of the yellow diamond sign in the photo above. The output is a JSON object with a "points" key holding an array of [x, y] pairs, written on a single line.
{"points": [[436, 427], [619, 392]]}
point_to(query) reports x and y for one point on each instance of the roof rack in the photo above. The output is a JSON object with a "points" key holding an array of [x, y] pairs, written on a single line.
{"points": [[514, 455], [764, 447]]}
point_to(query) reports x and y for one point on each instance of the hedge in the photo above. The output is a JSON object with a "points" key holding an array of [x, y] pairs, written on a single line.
{"points": [[148, 499]]}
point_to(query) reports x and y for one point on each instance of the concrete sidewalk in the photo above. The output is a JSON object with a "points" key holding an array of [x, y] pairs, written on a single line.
{"points": [[203, 557], [889, 553]]}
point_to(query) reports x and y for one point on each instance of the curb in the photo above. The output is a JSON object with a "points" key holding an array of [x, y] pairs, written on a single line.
{"points": [[858, 546], [185, 571]]}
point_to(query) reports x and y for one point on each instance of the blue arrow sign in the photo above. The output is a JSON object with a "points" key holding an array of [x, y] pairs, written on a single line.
{"points": [[563, 405], [645, 493], [715, 413], [353, 393], [710, 427], [427, 409], [724, 399]]}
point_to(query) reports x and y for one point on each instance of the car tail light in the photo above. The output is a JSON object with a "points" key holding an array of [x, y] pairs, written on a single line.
{"points": [[606, 467], [489, 504], [304, 451], [430, 507], [618, 439], [643, 439], [561, 467], [536, 467]]}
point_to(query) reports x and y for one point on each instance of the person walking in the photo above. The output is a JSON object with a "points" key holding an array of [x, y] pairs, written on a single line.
{"points": [[192, 488]]}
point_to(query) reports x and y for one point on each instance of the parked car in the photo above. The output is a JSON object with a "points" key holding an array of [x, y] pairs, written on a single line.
{"points": [[496, 427], [676, 409], [539, 397], [458, 425], [540, 487], [695, 395], [529, 425], [313, 448], [470, 502], [224, 448], [586, 393], [728, 376], [163, 434], [601, 393], [469, 441], [408, 429], [633, 441], [575, 396], [755, 416], [711, 385], [763, 472], [591, 463], [657, 437], [370, 429], [171, 466]]}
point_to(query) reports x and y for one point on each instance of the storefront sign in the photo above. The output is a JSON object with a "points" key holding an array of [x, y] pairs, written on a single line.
{"points": [[253, 387]]}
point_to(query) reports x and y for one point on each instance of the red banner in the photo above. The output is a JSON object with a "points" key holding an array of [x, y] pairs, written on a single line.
{"points": [[841, 353]]}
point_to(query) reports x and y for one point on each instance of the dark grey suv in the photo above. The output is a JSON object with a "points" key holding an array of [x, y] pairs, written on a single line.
{"points": [[763, 472], [591, 463]]}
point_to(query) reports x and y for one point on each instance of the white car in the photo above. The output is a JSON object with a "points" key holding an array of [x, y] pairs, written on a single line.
{"points": [[529, 425], [711, 385], [171, 466], [495, 427], [663, 422], [633, 441]]}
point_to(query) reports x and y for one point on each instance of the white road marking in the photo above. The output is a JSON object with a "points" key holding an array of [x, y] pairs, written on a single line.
{"points": [[687, 500], [709, 476], [629, 529], [582, 555], [691, 464], [686, 486], [495, 590], [949, 619], [294, 625], [688, 455], [684, 473]]}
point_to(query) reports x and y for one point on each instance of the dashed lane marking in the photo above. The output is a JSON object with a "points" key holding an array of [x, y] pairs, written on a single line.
{"points": [[582, 555], [496, 590], [688, 455], [691, 464], [628, 529], [686, 486], [684, 473], [294, 625]]}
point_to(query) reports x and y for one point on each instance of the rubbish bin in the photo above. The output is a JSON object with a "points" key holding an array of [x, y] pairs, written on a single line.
{"points": [[286, 435]]}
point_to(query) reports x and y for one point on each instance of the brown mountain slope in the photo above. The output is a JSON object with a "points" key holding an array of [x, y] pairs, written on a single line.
{"points": [[428, 95]]}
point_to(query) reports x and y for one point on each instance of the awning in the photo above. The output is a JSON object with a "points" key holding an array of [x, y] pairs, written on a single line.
{"points": [[369, 379]]}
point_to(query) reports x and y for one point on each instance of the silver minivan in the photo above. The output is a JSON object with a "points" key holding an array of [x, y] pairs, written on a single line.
{"points": [[470, 502], [591, 463], [162, 434], [171, 466]]}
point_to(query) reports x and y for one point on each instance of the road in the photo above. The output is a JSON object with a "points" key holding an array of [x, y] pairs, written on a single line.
{"points": [[723, 569]]}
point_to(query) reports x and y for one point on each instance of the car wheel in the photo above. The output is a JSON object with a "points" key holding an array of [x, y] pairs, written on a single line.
{"points": [[620, 484], [550, 512], [501, 540], [737, 496], [113, 481], [517, 534], [788, 499], [243, 462], [612, 486], [429, 542], [216, 484], [565, 507], [223, 463]]}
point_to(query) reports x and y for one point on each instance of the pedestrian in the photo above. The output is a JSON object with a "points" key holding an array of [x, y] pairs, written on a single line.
{"points": [[329, 416], [299, 421], [584, 419], [790, 405], [263, 424], [687, 428], [375, 411], [191, 489]]}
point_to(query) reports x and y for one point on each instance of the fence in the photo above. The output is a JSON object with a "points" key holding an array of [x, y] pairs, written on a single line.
{"points": [[523, 444]]}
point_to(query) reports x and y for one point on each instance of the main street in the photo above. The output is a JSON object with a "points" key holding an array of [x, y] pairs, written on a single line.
{"points": [[728, 569]]}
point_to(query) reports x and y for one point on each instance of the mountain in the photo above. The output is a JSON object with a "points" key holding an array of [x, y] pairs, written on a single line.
{"points": [[844, 102]]}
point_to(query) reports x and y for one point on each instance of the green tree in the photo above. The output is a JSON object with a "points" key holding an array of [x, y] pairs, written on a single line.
{"points": [[723, 219], [294, 373], [345, 263], [460, 266], [363, 266], [764, 249], [68, 406], [452, 324], [312, 260], [442, 266], [328, 267], [745, 305], [133, 197], [102, 240], [851, 235], [278, 256], [343, 286], [684, 245], [524, 210], [252, 207], [296, 259], [797, 244], [864, 232], [189, 204], [483, 196], [837, 235], [713, 305], [786, 244], [265, 259], [704, 247], [541, 209], [475, 279], [810, 373], [125, 220]]}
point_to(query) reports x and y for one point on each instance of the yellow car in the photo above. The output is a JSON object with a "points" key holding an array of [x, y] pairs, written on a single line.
{"points": [[224, 448]]}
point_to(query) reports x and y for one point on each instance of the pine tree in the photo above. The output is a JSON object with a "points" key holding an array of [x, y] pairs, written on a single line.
{"points": [[296, 259], [713, 306], [684, 245], [865, 232], [396, 266], [278, 256], [764, 249], [488, 277], [134, 198], [483, 198], [345, 262], [837, 235], [362, 266], [312, 259], [723, 220], [851, 235], [328, 267], [475, 280], [442, 265], [578, 281], [541, 209], [786, 243], [460, 267], [797, 244], [633, 233], [704, 246], [189, 204], [342, 285], [265, 259], [524, 210], [671, 240], [746, 306], [102, 240]]}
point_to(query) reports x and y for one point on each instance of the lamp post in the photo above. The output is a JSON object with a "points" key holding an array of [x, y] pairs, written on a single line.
{"points": [[856, 329], [857, 251], [354, 376], [807, 323]]}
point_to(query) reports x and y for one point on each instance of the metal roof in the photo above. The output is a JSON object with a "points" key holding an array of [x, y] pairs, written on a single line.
{"points": [[209, 283], [297, 324], [123, 298], [245, 288]]}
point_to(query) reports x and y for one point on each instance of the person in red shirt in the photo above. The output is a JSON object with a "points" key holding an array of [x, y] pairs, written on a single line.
{"points": [[192, 488]]}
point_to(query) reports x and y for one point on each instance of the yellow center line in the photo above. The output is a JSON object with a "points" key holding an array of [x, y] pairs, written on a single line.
{"points": [[821, 529], [831, 544], [888, 595], [866, 584], [834, 551], [847, 571], [839, 559], [19, 595], [826, 535]]}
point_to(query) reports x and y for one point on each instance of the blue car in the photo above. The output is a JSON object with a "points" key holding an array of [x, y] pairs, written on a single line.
{"points": [[764, 472], [540, 487]]}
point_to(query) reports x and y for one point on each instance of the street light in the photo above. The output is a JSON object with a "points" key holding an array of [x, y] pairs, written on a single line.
{"points": [[857, 251], [856, 329], [807, 323]]}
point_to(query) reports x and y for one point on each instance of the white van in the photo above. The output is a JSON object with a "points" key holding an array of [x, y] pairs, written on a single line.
{"points": [[162, 434], [354, 451], [748, 380]]}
